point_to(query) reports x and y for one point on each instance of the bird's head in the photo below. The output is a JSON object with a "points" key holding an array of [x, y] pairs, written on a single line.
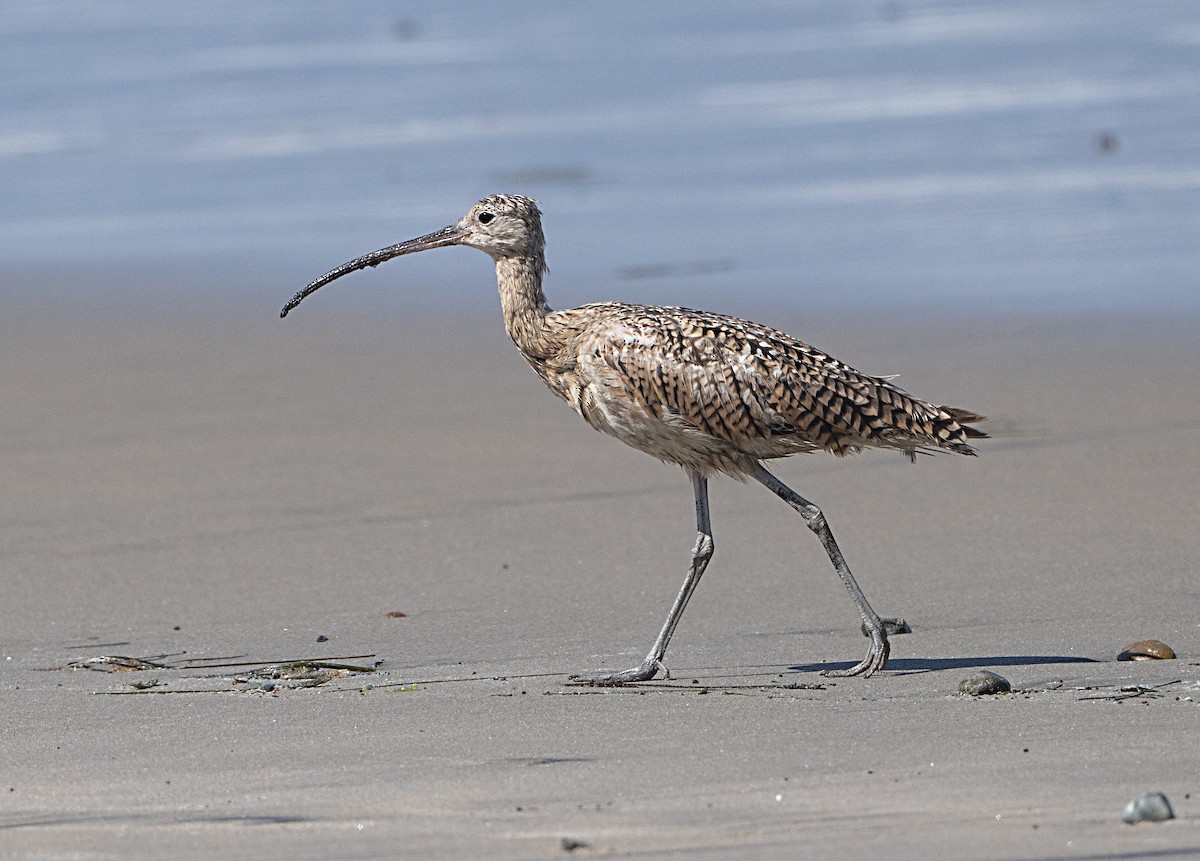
{"points": [[501, 225], [504, 225]]}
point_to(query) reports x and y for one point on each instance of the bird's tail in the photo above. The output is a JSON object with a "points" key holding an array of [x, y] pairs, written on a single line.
{"points": [[965, 418]]}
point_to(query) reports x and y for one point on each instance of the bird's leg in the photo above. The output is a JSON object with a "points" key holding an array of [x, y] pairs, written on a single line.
{"points": [[701, 553], [878, 654]]}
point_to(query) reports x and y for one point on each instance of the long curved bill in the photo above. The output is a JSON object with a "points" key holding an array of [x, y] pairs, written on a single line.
{"points": [[451, 235]]}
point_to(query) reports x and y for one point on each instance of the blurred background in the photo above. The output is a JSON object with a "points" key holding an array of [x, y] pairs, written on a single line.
{"points": [[970, 157]]}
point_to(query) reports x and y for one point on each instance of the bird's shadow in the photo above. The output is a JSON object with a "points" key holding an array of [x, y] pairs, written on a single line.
{"points": [[927, 665]]}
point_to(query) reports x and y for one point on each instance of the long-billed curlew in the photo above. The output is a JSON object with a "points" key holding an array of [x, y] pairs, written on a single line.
{"points": [[712, 393]]}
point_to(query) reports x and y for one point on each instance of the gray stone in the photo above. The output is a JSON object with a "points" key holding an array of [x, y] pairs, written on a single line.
{"points": [[1148, 807], [984, 682]]}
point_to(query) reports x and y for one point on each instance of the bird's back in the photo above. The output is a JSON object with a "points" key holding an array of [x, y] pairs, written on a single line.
{"points": [[715, 393]]}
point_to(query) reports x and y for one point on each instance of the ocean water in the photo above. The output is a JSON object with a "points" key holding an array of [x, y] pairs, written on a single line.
{"points": [[959, 155]]}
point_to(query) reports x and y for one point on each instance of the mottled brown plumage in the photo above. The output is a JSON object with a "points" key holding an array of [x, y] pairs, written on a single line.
{"points": [[712, 393], [717, 394]]}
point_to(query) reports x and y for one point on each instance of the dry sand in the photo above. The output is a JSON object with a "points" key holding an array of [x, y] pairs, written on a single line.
{"points": [[210, 482]]}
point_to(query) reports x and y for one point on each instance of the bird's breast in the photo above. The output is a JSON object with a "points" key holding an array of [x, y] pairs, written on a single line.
{"points": [[612, 404]]}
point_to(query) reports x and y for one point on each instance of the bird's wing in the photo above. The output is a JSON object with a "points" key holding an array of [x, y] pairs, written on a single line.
{"points": [[758, 388]]}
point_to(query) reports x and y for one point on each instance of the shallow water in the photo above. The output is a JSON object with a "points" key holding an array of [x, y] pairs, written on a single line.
{"points": [[1015, 156]]}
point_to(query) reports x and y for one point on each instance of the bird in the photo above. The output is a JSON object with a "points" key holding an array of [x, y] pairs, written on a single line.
{"points": [[711, 393]]}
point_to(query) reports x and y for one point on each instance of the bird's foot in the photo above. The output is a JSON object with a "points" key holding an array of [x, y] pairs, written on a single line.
{"points": [[876, 658], [648, 670]]}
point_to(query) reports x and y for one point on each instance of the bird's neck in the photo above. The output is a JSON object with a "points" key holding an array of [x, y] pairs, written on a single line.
{"points": [[524, 304]]}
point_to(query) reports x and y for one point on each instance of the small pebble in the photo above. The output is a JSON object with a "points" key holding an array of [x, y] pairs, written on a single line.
{"points": [[570, 844], [984, 682], [321, 638], [1148, 807], [267, 686], [891, 627], [1147, 650]]}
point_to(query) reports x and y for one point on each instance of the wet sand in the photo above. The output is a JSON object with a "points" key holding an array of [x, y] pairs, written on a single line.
{"points": [[200, 480]]}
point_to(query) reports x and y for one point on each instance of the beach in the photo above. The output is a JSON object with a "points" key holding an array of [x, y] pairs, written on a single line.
{"points": [[198, 484], [314, 587]]}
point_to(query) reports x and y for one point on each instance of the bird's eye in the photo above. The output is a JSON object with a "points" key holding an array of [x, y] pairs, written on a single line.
{"points": [[486, 217]]}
